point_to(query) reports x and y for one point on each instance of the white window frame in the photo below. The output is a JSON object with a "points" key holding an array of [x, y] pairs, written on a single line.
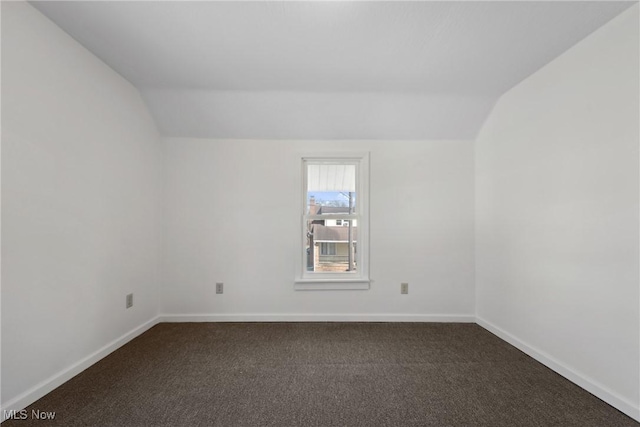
{"points": [[359, 279]]}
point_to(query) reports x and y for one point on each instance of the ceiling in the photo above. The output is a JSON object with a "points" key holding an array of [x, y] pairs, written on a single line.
{"points": [[402, 70]]}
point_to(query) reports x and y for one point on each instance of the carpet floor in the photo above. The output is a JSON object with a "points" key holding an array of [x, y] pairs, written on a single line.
{"points": [[321, 374]]}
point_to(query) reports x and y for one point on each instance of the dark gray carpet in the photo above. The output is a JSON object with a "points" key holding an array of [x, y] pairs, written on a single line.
{"points": [[321, 374]]}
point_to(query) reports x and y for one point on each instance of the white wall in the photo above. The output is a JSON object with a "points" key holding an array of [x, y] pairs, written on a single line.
{"points": [[81, 189], [557, 214], [218, 114], [231, 213]]}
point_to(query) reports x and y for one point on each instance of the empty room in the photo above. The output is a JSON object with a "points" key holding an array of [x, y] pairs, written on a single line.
{"points": [[320, 213]]}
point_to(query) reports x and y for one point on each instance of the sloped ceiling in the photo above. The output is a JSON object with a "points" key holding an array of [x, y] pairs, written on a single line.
{"points": [[380, 70]]}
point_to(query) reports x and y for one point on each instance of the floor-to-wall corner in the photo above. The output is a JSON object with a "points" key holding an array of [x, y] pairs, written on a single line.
{"points": [[557, 248], [80, 208]]}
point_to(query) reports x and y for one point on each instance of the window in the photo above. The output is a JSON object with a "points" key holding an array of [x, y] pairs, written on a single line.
{"points": [[327, 248], [334, 244]]}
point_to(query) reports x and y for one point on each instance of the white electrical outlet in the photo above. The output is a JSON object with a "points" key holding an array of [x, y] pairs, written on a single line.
{"points": [[404, 288], [219, 288], [129, 300]]}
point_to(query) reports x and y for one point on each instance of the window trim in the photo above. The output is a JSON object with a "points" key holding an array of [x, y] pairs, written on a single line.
{"points": [[359, 279]]}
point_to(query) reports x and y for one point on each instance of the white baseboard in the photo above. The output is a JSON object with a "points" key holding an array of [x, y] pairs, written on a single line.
{"points": [[581, 380], [48, 385], [269, 317]]}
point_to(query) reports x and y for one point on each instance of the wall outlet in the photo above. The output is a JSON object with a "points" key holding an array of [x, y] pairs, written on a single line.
{"points": [[219, 288], [404, 288], [129, 300]]}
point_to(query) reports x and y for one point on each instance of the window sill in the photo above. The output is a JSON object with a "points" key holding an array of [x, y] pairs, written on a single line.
{"points": [[331, 284]]}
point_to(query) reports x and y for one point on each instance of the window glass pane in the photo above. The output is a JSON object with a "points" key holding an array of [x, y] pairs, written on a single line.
{"points": [[331, 189], [331, 203], [327, 246]]}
